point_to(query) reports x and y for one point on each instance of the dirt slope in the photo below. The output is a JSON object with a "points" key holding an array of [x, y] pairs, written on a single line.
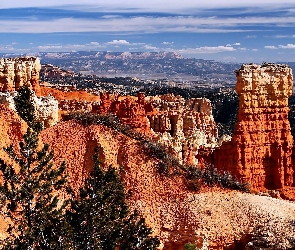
{"points": [[215, 216]]}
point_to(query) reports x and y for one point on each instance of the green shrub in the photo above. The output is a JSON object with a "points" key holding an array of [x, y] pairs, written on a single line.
{"points": [[167, 164], [190, 246]]}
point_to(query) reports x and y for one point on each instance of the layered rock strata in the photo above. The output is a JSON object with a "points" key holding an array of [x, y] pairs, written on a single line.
{"points": [[16, 72], [184, 126], [261, 148]]}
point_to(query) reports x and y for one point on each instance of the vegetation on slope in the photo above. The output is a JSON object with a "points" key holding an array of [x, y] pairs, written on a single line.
{"points": [[167, 164], [98, 218], [99, 215], [25, 108], [29, 197]]}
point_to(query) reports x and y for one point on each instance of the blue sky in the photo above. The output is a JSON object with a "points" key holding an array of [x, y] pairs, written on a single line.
{"points": [[231, 30]]}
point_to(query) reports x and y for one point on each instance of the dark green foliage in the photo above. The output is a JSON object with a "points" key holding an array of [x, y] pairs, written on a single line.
{"points": [[136, 234], [24, 104], [190, 246], [196, 177], [211, 177], [168, 164], [100, 218], [25, 108], [108, 120], [193, 177], [29, 197]]}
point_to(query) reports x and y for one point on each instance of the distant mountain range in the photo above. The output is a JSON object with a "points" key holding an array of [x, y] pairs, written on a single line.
{"points": [[144, 65]]}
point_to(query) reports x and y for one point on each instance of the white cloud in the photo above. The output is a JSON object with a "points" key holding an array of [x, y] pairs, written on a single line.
{"points": [[119, 42], [185, 6], [167, 43], [149, 47], [237, 44], [270, 47], [288, 46], [281, 36], [142, 24], [69, 47], [251, 36], [94, 43], [206, 50], [49, 47]]}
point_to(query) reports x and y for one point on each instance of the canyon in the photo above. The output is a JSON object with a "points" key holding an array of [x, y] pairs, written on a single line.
{"points": [[260, 152]]}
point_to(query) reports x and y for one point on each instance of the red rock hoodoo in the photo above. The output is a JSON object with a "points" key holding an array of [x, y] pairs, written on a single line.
{"points": [[260, 151], [16, 72]]}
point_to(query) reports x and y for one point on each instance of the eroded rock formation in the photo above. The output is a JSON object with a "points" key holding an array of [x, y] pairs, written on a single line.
{"points": [[260, 151], [16, 72], [213, 217], [184, 126], [46, 107]]}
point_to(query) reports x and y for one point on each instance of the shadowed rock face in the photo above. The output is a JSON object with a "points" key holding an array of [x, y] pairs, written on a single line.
{"points": [[16, 72], [261, 148]]}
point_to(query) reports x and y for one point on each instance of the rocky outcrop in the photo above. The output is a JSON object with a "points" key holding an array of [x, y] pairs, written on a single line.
{"points": [[213, 217], [46, 108], [131, 111], [68, 106], [16, 72], [184, 126], [260, 151]]}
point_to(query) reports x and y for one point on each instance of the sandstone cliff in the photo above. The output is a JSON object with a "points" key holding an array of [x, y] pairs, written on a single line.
{"points": [[16, 72], [260, 151], [213, 217], [184, 126]]}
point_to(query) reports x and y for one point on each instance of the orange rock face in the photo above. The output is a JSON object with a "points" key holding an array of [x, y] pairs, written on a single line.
{"points": [[261, 148], [16, 72], [131, 112], [212, 218]]}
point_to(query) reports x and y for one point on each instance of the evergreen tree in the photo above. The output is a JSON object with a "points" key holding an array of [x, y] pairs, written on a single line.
{"points": [[29, 194], [25, 108], [100, 218]]}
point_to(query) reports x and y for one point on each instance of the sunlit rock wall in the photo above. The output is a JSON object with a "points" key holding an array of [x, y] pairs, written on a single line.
{"points": [[261, 148], [16, 72]]}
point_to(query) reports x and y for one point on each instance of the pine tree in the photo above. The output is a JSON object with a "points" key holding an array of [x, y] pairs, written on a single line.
{"points": [[29, 195], [100, 218], [25, 108]]}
